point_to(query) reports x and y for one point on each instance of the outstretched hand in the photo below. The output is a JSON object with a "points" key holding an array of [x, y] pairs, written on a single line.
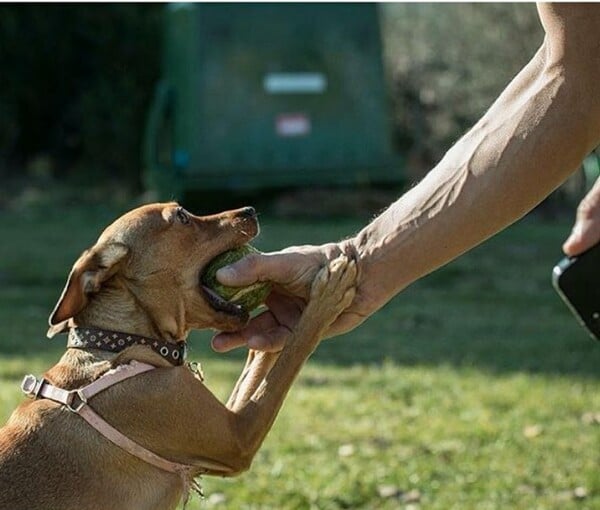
{"points": [[291, 271]]}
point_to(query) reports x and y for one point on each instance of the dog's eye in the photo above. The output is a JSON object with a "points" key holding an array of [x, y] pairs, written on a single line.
{"points": [[182, 216]]}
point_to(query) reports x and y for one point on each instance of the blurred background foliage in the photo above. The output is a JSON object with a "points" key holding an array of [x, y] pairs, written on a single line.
{"points": [[447, 64], [77, 79], [76, 83]]}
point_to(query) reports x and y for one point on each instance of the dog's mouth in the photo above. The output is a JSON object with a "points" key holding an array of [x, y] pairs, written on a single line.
{"points": [[220, 304], [246, 226]]}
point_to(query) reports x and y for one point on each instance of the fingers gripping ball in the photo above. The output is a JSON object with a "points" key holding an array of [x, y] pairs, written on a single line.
{"points": [[249, 297]]}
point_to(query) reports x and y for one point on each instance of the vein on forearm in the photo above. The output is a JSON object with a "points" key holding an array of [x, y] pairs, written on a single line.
{"points": [[504, 166]]}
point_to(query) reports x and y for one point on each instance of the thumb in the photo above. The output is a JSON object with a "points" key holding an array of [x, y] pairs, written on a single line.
{"points": [[256, 267]]}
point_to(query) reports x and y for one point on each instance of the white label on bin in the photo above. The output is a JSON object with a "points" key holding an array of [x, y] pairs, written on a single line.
{"points": [[292, 124], [295, 83]]}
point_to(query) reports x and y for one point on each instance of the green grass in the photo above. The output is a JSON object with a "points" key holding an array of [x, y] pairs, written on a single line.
{"points": [[471, 390]]}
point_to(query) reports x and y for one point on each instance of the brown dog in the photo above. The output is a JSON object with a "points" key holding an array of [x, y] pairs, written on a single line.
{"points": [[142, 279]]}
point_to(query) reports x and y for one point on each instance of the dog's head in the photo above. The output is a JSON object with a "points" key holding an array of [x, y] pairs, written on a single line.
{"points": [[154, 256]]}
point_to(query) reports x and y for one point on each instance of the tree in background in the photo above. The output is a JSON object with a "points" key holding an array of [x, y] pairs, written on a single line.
{"points": [[76, 82]]}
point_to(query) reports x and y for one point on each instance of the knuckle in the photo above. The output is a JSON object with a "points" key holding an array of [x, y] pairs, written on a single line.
{"points": [[251, 263], [584, 209]]}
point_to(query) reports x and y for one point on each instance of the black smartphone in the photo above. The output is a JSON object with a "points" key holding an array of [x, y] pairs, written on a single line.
{"points": [[577, 281]]}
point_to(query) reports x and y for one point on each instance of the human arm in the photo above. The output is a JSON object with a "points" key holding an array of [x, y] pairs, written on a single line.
{"points": [[531, 139]]}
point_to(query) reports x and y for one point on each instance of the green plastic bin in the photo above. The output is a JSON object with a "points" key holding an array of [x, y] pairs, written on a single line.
{"points": [[269, 95]]}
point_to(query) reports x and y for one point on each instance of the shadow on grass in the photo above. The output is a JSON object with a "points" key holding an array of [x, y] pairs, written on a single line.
{"points": [[408, 334]]}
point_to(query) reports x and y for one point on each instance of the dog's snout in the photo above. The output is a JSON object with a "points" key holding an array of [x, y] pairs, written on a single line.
{"points": [[248, 212]]}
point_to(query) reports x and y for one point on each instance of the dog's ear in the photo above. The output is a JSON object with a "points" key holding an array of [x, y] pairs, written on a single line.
{"points": [[94, 267]]}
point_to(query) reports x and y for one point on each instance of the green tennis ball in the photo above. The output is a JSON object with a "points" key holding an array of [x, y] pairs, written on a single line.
{"points": [[249, 297]]}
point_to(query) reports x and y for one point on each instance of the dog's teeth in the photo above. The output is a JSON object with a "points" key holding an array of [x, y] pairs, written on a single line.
{"points": [[221, 304]]}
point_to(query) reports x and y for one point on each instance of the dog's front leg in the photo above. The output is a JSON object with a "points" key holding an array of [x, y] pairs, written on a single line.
{"points": [[332, 291], [258, 365]]}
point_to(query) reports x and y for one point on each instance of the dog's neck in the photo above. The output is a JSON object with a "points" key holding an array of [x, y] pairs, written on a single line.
{"points": [[117, 308]]}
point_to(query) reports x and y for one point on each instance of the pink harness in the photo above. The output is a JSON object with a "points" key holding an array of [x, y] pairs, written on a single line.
{"points": [[77, 402]]}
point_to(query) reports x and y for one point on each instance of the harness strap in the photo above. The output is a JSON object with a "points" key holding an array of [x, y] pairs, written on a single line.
{"points": [[129, 445], [112, 377], [77, 402]]}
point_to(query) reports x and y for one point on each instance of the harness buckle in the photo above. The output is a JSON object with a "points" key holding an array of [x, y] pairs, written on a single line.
{"points": [[32, 386], [76, 401]]}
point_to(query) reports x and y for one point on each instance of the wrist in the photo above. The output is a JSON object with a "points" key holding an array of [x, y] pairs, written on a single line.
{"points": [[366, 301]]}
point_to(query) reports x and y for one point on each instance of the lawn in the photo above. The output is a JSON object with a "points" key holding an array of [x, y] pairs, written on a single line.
{"points": [[473, 389]]}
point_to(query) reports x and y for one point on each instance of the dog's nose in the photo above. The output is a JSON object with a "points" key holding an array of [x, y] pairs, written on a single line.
{"points": [[248, 212]]}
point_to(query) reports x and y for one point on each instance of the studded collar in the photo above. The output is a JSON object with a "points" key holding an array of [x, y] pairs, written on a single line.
{"points": [[115, 341]]}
